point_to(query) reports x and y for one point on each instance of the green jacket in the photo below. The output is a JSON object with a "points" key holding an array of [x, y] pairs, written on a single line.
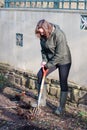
{"points": [[55, 49]]}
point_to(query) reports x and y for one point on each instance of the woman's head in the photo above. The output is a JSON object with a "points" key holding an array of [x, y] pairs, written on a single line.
{"points": [[43, 28]]}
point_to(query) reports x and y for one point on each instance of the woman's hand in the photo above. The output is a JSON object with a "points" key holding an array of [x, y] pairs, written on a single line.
{"points": [[43, 63], [45, 71]]}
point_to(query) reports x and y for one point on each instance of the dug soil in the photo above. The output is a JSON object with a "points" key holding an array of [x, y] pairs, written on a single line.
{"points": [[16, 112]]}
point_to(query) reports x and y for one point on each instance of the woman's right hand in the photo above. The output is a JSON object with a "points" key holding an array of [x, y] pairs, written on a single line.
{"points": [[45, 71]]}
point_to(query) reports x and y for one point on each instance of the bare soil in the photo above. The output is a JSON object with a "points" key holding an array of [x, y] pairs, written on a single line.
{"points": [[17, 114]]}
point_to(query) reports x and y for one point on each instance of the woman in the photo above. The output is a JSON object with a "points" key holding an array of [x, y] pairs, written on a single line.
{"points": [[55, 55]]}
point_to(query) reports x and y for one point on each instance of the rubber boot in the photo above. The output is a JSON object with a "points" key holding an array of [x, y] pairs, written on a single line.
{"points": [[44, 95], [63, 97]]}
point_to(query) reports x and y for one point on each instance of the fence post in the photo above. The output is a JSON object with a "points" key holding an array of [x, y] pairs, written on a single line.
{"points": [[6, 3], [56, 4], [85, 4]]}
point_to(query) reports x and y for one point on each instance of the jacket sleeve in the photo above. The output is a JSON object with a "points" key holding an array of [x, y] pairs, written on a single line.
{"points": [[57, 54], [43, 55]]}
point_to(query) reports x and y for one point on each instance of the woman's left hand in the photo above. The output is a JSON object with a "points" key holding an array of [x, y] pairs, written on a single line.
{"points": [[43, 63]]}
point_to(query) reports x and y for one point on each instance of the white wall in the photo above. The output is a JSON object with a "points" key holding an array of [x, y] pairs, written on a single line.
{"points": [[28, 57]]}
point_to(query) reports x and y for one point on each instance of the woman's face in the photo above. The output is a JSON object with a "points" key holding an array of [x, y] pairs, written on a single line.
{"points": [[41, 31], [42, 34]]}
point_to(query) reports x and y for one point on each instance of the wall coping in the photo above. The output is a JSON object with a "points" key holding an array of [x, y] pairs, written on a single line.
{"points": [[45, 10]]}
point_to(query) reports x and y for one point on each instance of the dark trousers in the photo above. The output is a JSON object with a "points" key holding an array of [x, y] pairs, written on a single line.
{"points": [[63, 75]]}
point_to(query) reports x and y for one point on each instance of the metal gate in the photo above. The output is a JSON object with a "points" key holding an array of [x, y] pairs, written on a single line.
{"points": [[48, 4]]}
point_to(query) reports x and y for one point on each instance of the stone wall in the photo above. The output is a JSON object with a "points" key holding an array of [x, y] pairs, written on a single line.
{"points": [[77, 94]]}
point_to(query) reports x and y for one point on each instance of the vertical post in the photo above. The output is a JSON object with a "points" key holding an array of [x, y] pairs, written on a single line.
{"points": [[41, 4], [24, 3], [77, 4], [47, 4], [30, 4], [85, 5], [63, 4], [56, 4], [70, 1], [6, 3]]}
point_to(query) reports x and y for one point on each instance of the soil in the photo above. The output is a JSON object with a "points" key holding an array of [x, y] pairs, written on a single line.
{"points": [[16, 112]]}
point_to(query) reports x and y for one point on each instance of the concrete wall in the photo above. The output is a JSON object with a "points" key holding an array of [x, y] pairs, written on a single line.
{"points": [[28, 57]]}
